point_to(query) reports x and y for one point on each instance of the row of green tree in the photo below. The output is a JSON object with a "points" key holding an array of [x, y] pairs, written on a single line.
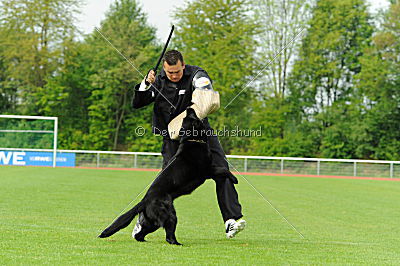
{"points": [[320, 77]]}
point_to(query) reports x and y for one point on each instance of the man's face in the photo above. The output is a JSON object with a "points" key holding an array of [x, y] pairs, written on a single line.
{"points": [[174, 72]]}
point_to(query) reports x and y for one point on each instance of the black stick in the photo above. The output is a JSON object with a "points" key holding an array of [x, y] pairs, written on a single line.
{"points": [[165, 48]]}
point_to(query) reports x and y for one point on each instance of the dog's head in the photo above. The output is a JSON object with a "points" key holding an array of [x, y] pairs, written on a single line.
{"points": [[193, 129]]}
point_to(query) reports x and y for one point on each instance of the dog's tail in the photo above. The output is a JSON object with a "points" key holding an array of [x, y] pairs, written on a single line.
{"points": [[123, 221]]}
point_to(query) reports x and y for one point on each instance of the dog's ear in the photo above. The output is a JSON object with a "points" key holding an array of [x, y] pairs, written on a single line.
{"points": [[191, 113], [197, 123]]}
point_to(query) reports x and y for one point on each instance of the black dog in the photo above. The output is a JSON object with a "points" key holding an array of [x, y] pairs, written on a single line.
{"points": [[185, 172]]}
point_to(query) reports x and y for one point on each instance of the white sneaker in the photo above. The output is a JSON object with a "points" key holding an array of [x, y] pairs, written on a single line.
{"points": [[234, 227], [138, 226]]}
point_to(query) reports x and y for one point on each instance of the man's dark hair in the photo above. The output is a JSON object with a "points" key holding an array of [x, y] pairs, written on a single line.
{"points": [[172, 57]]}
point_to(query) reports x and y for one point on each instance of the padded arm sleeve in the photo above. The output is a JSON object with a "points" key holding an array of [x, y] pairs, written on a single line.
{"points": [[205, 101]]}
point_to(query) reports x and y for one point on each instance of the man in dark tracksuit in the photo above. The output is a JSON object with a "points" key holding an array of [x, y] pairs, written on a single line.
{"points": [[171, 91]]}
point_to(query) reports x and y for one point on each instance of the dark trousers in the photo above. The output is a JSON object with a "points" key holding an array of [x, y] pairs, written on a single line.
{"points": [[227, 196]]}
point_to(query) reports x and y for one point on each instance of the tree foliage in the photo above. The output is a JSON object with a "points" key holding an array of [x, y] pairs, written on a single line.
{"points": [[322, 85], [93, 89], [329, 57], [32, 36], [219, 37], [379, 83], [333, 93], [281, 24], [113, 78]]}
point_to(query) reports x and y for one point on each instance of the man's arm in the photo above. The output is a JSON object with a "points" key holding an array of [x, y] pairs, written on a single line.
{"points": [[144, 91]]}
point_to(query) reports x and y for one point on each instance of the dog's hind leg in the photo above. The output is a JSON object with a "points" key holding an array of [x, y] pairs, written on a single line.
{"points": [[147, 227]]}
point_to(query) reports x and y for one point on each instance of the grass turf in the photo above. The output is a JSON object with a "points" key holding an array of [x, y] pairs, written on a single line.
{"points": [[52, 216]]}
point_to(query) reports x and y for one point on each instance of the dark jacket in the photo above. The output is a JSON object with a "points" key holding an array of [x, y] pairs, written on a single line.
{"points": [[170, 99]]}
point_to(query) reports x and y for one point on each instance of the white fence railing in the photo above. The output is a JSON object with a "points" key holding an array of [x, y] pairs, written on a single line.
{"points": [[255, 164]]}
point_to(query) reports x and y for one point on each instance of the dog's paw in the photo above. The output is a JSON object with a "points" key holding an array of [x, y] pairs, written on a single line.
{"points": [[174, 242], [139, 239]]}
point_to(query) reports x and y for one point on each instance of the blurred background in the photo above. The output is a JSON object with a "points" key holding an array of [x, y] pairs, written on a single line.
{"points": [[321, 78]]}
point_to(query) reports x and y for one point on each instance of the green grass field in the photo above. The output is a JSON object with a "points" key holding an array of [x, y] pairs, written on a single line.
{"points": [[53, 216]]}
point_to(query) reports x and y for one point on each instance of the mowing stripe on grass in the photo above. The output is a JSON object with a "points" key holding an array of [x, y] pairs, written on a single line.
{"points": [[169, 163], [248, 182], [51, 216]]}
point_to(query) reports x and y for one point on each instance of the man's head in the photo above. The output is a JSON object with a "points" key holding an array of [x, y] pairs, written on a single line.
{"points": [[173, 65]]}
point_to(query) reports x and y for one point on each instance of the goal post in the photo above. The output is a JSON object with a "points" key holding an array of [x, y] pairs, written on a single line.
{"points": [[17, 130]]}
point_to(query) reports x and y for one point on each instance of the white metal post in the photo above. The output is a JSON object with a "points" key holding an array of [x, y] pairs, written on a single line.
{"points": [[391, 170], [135, 161], [55, 142], [355, 169]]}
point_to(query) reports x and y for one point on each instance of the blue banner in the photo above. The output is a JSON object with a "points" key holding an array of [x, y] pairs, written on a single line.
{"points": [[29, 158]]}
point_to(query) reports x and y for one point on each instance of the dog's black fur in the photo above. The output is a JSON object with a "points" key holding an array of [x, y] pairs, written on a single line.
{"points": [[186, 171]]}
